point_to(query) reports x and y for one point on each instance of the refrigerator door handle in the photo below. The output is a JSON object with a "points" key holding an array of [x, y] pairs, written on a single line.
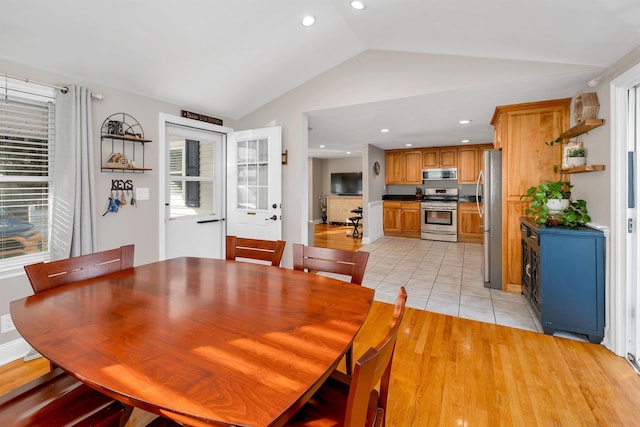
{"points": [[480, 178]]}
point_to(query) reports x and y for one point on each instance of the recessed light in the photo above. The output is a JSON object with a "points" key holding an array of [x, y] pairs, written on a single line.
{"points": [[308, 21], [384, 130], [348, 152], [357, 5], [322, 146], [465, 140], [408, 145], [464, 122]]}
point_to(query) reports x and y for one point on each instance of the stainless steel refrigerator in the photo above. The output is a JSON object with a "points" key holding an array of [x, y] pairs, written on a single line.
{"points": [[490, 209]]}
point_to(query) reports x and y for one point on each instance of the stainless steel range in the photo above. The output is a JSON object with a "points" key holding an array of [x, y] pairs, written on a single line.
{"points": [[439, 214]]}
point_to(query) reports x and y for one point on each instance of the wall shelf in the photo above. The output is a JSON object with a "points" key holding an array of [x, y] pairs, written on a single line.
{"points": [[577, 130], [584, 168], [122, 144], [581, 128]]}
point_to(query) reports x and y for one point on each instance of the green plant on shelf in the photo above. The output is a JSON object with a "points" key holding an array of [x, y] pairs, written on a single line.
{"points": [[541, 196], [577, 152]]}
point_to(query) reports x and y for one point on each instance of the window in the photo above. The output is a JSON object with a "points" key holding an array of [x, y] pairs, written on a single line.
{"points": [[192, 172], [26, 146]]}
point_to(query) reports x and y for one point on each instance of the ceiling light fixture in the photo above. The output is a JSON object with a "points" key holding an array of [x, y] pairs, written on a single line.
{"points": [[465, 140], [348, 152], [322, 146], [408, 145], [308, 21], [464, 122], [384, 130], [357, 5]]}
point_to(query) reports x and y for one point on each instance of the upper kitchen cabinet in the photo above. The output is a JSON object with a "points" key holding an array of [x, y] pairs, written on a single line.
{"points": [[470, 162], [403, 167], [434, 158], [521, 131]]}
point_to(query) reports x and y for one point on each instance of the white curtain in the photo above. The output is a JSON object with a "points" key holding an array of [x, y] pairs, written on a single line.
{"points": [[73, 206]]}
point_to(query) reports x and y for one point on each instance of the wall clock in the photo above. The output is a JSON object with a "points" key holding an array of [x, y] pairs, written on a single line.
{"points": [[376, 168]]}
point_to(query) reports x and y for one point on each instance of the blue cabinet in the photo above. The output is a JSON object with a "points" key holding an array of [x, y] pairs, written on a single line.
{"points": [[563, 277]]}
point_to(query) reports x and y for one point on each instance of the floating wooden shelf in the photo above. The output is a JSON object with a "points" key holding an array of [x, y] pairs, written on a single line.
{"points": [[585, 168], [581, 128]]}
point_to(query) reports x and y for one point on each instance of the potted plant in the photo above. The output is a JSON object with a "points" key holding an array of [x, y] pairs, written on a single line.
{"points": [[323, 208], [550, 204], [576, 157]]}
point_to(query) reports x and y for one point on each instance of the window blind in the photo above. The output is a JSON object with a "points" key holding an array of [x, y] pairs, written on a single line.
{"points": [[27, 123]]}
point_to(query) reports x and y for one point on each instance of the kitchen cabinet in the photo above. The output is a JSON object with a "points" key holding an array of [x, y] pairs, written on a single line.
{"points": [[434, 158], [470, 162], [469, 223], [521, 131], [400, 218], [403, 167], [563, 277]]}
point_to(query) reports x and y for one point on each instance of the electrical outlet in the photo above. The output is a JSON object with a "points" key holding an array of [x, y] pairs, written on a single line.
{"points": [[6, 324]]}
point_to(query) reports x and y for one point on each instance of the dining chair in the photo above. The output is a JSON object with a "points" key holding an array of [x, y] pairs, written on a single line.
{"points": [[47, 275], [354, 401], [263, 250], [58, 398], [347, 263], [338, 261]]}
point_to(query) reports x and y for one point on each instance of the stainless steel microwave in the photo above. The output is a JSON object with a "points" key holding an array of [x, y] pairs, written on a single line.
{"points": [[440, 174]]}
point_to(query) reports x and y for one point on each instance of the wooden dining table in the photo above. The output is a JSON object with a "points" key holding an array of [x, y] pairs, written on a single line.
{"points": [[201, 341]]}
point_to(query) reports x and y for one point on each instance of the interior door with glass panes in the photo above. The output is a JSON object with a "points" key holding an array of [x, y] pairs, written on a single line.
{"points": [[254, 178], [194, 204]]}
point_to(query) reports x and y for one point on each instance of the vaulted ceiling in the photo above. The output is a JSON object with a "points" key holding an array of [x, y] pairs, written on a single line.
{"points": [[232, 57]]}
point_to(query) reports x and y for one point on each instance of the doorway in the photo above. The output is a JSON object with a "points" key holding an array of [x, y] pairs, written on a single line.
{"points": [[625, 189], [193, 184]]}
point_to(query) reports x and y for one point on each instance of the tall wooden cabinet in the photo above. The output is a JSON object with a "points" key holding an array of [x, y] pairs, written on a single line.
{"points": [[521, 131]]}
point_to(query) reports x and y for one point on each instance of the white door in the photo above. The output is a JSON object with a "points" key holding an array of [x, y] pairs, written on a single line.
{"points": [[194, 177], [254, 188], [633, 243]]}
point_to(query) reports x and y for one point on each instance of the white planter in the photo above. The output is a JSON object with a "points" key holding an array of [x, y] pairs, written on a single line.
{"points": [[556, 205], [576, 161]]}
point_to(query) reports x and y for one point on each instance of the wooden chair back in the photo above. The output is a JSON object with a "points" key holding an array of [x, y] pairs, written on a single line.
{"points": [[47, 275], [330, 260], [58, 399], [372, 368], [263, 250], [352, 401]]}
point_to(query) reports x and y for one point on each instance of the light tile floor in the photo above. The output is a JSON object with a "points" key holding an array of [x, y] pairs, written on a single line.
{"points": [[442, 277]]}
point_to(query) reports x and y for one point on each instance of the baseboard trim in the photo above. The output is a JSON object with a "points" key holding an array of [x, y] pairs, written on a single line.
{"points": [[13, 350]]}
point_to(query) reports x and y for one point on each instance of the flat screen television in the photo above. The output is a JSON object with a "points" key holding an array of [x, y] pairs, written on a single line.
{"points": [[346, 183]]}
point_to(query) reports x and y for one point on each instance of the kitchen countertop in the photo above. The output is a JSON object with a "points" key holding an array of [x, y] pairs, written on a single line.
{"points": [[412, 198], [401, 197]]}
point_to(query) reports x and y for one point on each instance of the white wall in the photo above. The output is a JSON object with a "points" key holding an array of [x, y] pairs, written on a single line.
{"points": [[138, 225]]}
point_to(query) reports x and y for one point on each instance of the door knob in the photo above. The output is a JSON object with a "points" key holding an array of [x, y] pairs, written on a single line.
{"points": [[273, 217]]}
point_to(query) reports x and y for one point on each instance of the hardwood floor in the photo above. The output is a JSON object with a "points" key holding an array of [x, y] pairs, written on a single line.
{"points": [[336, 237], [450, 371]]}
